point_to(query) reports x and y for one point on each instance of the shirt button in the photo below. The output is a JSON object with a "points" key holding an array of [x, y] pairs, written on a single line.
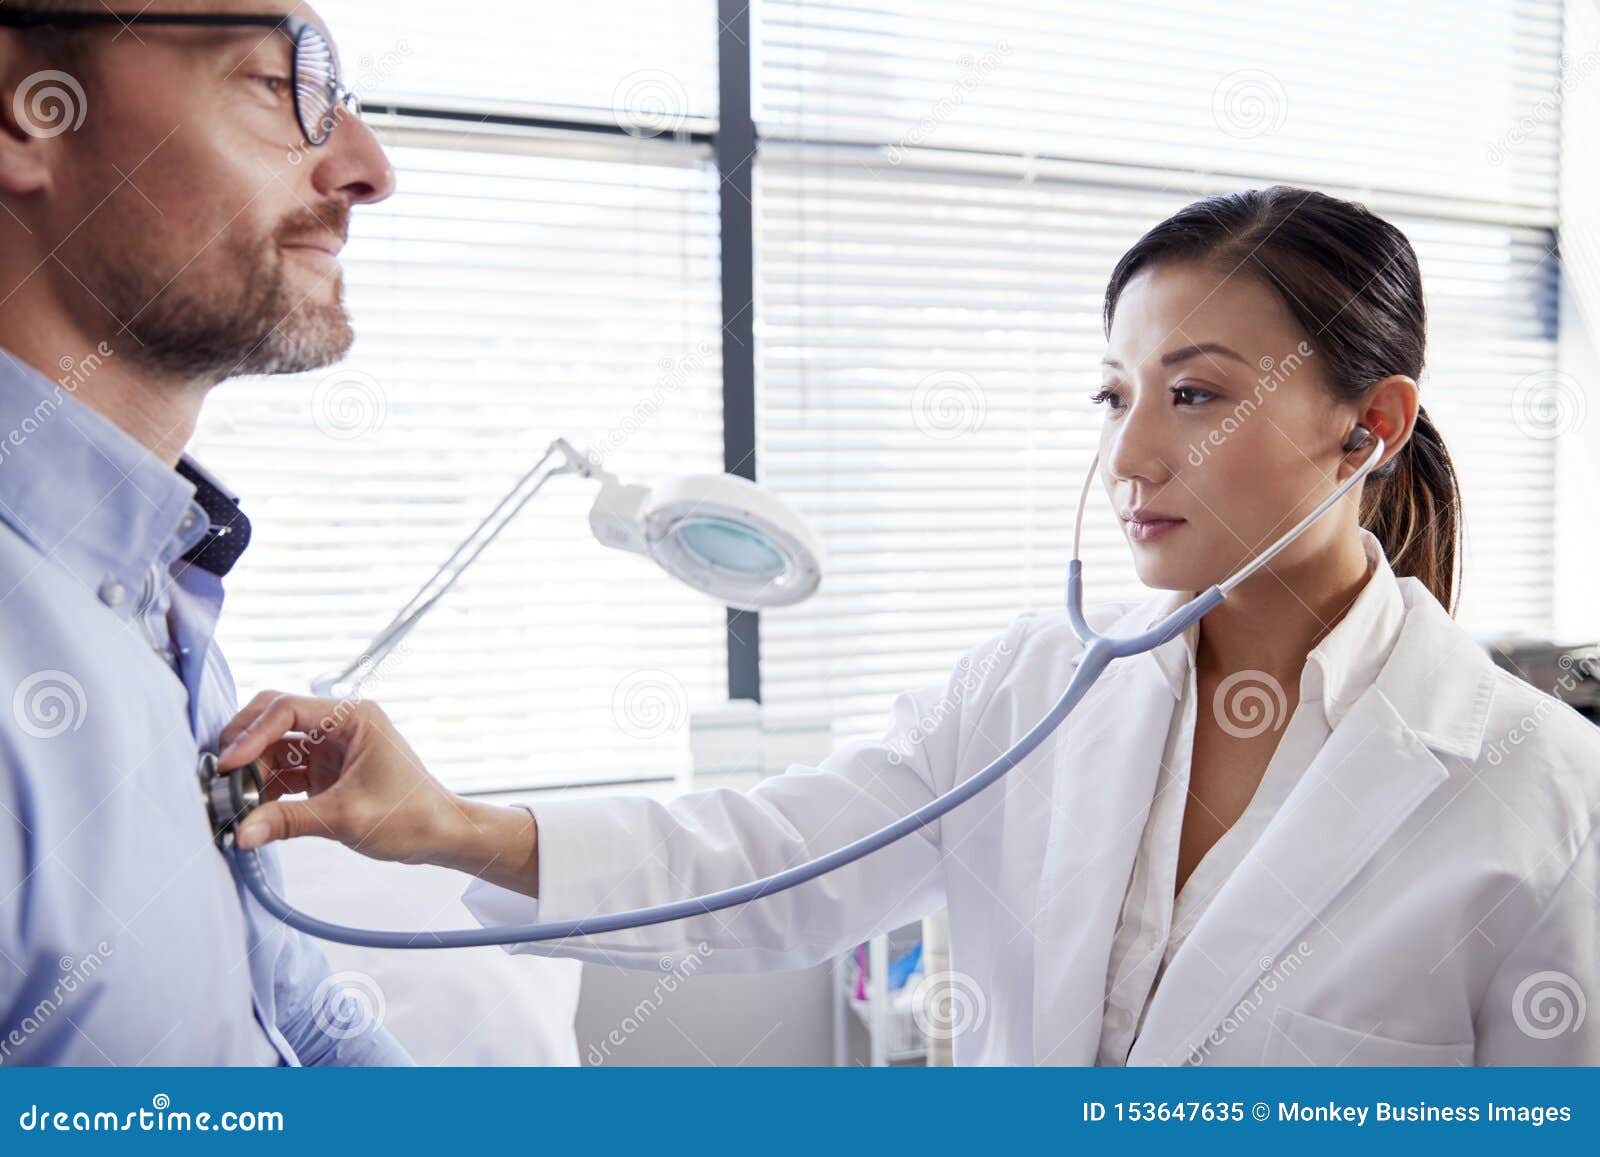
{"points": [[187, 521], [112, 593]]}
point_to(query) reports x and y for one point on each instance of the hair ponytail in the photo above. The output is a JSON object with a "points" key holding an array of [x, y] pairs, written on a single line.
{"points": [[1412, 504]]}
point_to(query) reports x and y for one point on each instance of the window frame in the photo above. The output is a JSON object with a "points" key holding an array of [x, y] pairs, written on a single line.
{"points": [[736, 143]]}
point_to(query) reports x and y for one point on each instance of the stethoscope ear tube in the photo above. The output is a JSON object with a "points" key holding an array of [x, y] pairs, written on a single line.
{"points": [[229, 798]]}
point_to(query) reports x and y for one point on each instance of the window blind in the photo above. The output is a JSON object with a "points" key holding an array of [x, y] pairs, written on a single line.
{"points": [[936, 221], [651, 65], [1423, 97], [513, 290]]}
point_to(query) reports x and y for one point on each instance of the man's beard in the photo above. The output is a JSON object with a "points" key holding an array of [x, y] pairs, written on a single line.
{"points": [[195, 323]]}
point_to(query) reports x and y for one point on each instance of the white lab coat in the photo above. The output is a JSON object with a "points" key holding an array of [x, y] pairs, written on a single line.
{"points": [[1427, 894]]}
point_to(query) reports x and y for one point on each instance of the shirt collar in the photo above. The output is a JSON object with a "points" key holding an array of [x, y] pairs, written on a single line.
{"points": [[228, 532], [89, 495], [1340, 667]]}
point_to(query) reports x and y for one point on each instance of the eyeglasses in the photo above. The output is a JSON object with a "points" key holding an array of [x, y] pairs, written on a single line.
{"points": [[319, 95]]}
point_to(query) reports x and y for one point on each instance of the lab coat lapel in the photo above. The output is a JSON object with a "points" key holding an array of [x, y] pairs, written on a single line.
{"points": [[1377, 766], [1103, 780]]}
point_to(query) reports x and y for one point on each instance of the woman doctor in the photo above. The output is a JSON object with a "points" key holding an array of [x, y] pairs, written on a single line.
{"points": [[1320, 827]]}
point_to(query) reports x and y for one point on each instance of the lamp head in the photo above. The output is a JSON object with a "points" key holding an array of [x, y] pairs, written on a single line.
{"points": [[721, 534]]}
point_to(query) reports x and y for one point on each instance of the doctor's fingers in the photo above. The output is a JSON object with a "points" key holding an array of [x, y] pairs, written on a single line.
{"points": [[269, 717], [285, 819], [296, 763], [245, 716], [282, 782]]}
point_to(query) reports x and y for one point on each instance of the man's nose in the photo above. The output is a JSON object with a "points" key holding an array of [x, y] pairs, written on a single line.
{"points": [[352, 164]]}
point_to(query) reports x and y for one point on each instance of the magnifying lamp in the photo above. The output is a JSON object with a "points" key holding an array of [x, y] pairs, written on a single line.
{"points": [[719, 533]]}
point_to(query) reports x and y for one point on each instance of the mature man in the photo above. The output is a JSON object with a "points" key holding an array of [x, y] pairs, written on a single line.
{"points": [[175, 187]]}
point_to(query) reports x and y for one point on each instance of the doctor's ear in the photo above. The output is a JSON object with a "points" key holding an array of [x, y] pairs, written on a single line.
{"points": [[1388, 410]]}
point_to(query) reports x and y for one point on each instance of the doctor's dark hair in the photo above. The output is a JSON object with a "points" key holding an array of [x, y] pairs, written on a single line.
{"points": [[1351, 281]]}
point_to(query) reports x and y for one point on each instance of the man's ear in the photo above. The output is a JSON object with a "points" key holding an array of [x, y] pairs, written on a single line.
{"points": [[38, 104]]}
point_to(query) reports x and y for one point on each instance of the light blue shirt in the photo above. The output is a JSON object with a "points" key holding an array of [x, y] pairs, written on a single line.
{"points": [[123, 937]]}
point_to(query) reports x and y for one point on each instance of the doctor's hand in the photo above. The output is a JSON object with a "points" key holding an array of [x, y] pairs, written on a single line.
{"points": [[366, 788]]}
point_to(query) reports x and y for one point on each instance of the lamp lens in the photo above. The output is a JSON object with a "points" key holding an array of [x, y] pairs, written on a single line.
{"points": [[730, 546]]}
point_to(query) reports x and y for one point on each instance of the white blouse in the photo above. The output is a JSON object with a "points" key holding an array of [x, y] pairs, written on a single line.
{"points": [[1337, 671]]}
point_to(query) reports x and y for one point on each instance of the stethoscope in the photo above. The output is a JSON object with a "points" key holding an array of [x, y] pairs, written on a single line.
{"points": [[229, 798]]}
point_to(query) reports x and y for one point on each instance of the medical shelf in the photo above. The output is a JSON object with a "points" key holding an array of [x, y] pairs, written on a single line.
{"points": [[893, 1037]]}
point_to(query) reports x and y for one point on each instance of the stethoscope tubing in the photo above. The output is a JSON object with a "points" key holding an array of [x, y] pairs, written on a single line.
{"points": [[1098, 652]]}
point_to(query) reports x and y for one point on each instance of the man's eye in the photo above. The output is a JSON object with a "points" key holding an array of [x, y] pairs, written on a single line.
{"points": [[276, 85]]}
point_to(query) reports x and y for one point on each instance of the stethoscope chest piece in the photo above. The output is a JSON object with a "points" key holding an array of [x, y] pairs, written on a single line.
{"points": [[229, 797]]}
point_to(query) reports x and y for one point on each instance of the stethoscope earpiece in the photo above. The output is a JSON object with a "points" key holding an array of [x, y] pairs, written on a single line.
{"points": [[1358, 438]]}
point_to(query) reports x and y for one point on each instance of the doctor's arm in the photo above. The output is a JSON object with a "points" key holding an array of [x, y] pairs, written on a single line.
{"points": [[1541, 1006], [586, 856]]}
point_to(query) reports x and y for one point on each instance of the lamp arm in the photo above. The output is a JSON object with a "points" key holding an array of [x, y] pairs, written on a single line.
{"points": [[348, 681]]}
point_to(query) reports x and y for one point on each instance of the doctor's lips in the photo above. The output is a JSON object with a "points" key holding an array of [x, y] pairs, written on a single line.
{"points": [[1147, 525]]}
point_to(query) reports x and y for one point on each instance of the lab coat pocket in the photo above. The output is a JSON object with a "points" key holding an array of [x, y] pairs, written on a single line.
{"points": [[1298, 1038]]}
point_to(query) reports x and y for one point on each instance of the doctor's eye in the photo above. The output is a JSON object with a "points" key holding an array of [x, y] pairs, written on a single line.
{"points": [[1178, 393], [1106, 394]]}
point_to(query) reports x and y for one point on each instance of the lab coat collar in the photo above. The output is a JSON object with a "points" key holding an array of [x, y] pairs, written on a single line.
{"points": [[1339, 667], [1430, 698], [1430, 670]]}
